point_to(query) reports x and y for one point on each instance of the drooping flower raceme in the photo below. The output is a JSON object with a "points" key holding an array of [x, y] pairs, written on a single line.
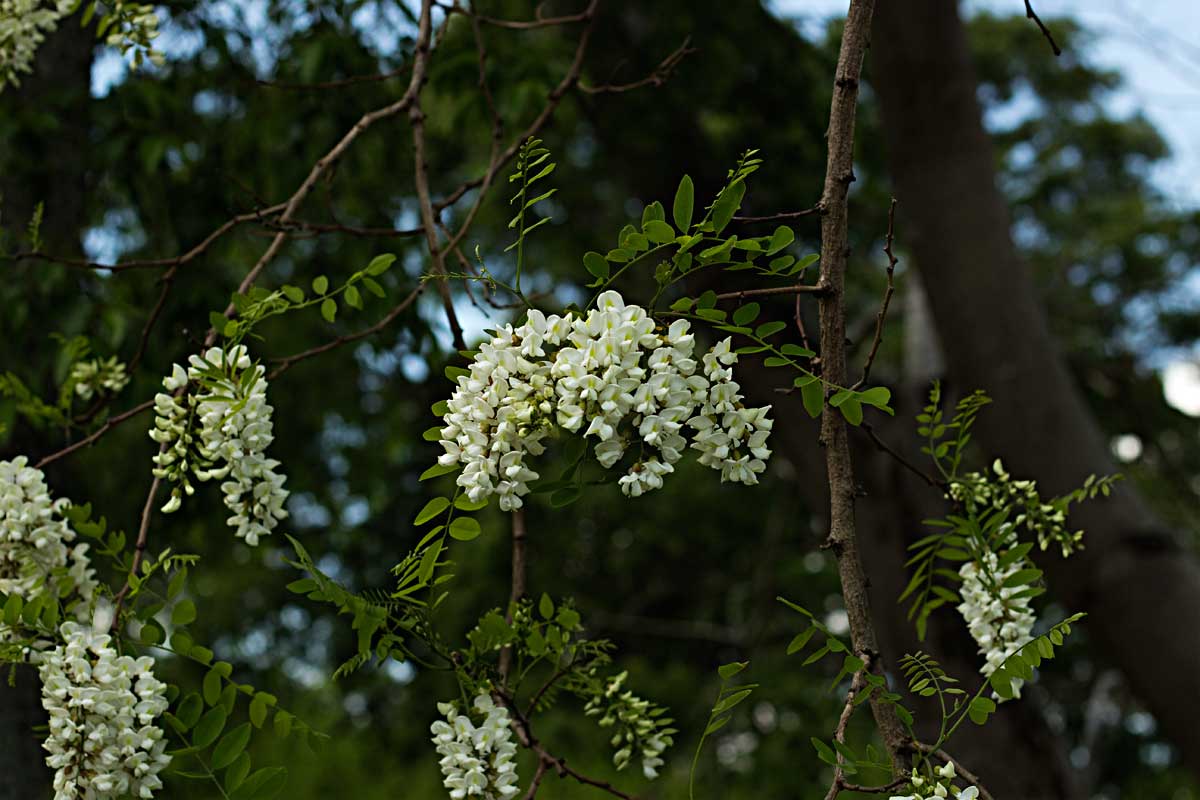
{"points": [[103, 741], [998, 616], [477, 760], [221, 430], [23, 26], [37, 549], [611, 376], [639, 726]]}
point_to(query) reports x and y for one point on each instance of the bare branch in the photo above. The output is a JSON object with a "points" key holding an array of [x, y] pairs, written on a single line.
{"points": [[111, 423], [816, 290], [839, 733], [904, 462], [784, 215], [139, 547], [258, 215], [887, 296], [416, 118], [1031, 14], [520, 725], [657, 77], [287, 362], [518, 25], [337, 84]]}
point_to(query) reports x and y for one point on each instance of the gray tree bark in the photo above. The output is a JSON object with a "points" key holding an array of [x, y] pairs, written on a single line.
{"points": [[46, 165]]}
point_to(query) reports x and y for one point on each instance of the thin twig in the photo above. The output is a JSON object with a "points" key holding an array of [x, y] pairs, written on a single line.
{"points": [[839, 734], [887, 296], [520, 725], [536, 783], [1031, 14], [517, 25], [336, 84], [800, 325], [154, 263], [882, 445], [287, 362], [314, 229], [483, 182], [416, 118], [109, 424], [886, 788], [816, 290], [139, 547], [657, 77], [784, 215], [168, 279], [420, 61]]}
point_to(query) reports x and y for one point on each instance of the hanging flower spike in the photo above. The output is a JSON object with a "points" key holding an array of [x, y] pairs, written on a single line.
{"points": [[221, 431], [37, 553], [609, 376], [103, 742], [477, 761]]}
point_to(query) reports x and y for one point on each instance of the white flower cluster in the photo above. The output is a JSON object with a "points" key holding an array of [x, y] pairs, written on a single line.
{"points": [[103, 742], [221, 431], [478, 761], [999, 622], [640, 726], [36, 543], [610, 375], [939, 787], [23, 26], [96, 375]]}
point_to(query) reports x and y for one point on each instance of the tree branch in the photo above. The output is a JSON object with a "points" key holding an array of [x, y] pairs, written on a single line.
{"points": [[834, 255], [287, 362], [153, 263]]}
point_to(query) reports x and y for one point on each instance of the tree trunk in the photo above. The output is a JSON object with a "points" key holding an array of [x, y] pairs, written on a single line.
{"points": [[43, 165], [995, 337]]}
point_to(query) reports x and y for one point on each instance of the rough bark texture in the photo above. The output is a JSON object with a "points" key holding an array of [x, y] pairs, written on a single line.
{"points": [[44, 166], [839, 173], [1139, 585]]}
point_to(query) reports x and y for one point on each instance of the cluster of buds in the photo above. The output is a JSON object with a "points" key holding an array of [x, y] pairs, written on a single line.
{"points": [[134, 27], [98, 375], [997, 491], [641, 728]]}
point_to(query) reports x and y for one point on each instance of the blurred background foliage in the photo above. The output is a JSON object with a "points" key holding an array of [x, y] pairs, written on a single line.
{"points": [[682, 580]]}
